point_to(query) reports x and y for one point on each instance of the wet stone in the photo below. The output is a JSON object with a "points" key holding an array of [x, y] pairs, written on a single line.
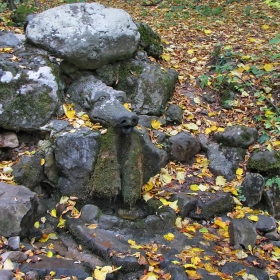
{"points": [[174, 114], [253, 186], [14, 256], [242, 233], [90, 213], [108, 221], [14, 243], [61, 267], [6, 275], [273, 235], [231, 268], [265, 224], [177, 272], [186, 203], [210, 204], [131, 214]]}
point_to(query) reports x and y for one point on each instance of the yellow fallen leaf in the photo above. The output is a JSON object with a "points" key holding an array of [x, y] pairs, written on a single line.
{"points": [[239, 173], [268, 67], [42, 162], [178, 222], [196, 100], [276, 143], [165, 56], [92, 226], [37, 224], [8, 265], [169, 236], [49, 254], [63, 199], [207, 31], [61, 223], [194, 188], [147, 187], [52, 273], [253, 218], [52, 236], [180, 176], [155, 124], [147, 196], [174, 205], [69, 110], [190, 51], [221, 224], [53, 213], [220, 181], [131, 242], [173, 132], [190, 126], [195, 260], [265, 27], [127, 106]]}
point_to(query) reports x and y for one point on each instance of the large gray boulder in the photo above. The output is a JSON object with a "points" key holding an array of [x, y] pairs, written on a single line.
{"points": [[183, 146], [29, 88], [252, 188], [87, 34], [17, 209], [237, 136]]}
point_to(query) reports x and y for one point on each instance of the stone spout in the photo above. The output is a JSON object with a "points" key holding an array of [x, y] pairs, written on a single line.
{"points": [[103, 104]]}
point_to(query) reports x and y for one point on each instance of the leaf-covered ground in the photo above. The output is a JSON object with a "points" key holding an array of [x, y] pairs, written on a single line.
{"points": [[214, 45]]}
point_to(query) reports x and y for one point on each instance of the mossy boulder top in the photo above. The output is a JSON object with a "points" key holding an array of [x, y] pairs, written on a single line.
{"points": [[87, 34]]}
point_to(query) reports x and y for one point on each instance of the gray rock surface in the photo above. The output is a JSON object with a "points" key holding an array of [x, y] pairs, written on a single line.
{"points": [[29, 171], [265, 161], [75, 155], [90, 213], [88, 35], [149, 40], [210, 205], [242, 233], [60, 266], [252, 188], [8, 139], [17, 209], [237, 136], [224, 160], [265, 224], [6, 275], [183, 146], [174, 114], [234, 267], [148, 86], [29, 89]]}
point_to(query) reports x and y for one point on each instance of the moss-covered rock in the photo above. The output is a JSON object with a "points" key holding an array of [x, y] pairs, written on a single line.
{"points": [[267, 162], [149, 40], [148, 86], [130, 157], [29, 90], [105, 181]]}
